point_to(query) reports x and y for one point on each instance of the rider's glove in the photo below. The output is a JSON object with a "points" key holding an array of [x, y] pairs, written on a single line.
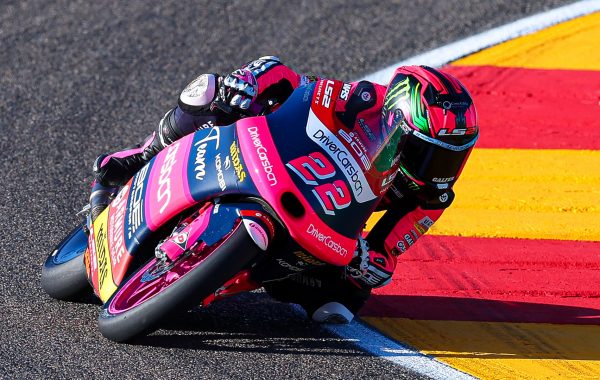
{"points": [[239, 89], [370, 269]]}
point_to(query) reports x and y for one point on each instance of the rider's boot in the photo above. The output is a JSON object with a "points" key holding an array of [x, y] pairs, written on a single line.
{"points": [[325, 294], [100, 198]]}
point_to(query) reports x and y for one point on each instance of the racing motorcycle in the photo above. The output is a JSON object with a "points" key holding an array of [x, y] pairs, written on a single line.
{"points": [[226, 210]]}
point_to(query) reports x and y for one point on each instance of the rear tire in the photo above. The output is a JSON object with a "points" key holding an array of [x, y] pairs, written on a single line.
{"points": [[129, 313], [64, 275]]}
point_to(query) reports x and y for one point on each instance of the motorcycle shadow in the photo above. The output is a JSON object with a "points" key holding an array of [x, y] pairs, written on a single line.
{"points": [[250, 322]]}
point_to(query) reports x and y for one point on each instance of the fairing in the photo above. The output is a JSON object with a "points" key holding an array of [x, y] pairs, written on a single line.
{"points": [[302, 150]]}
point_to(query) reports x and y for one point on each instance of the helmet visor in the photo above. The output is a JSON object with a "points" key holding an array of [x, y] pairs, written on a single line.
{"points": [[431, 160]]}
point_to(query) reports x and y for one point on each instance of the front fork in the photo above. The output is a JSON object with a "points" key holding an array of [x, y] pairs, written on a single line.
{"points": [[209, 225]]}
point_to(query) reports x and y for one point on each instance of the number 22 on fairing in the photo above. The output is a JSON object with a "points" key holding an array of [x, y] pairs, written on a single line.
{"points": [[331, 195]]}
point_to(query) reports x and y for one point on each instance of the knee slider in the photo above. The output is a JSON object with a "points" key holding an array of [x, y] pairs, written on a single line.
{"points": [[199, 94]]}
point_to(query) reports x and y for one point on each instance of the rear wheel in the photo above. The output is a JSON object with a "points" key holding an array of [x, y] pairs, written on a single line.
{"points": [[63, 274], [161, 287]]}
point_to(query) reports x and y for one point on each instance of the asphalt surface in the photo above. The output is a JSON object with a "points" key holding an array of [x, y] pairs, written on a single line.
{"points": [[78, 78]]}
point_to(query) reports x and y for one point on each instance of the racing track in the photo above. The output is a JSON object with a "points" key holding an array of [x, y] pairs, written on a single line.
{"points": [[78, 78]]}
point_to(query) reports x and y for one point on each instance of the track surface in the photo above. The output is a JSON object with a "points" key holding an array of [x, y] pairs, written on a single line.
{"points": [[78, 78]]}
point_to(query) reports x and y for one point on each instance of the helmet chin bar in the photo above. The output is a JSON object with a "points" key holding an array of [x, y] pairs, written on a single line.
{"points": [[424, 191]]}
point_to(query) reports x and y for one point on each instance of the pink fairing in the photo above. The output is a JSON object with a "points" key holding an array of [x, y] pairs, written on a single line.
{"points": [[409, 229], [272, 181], [168, 190], [129, 152]]}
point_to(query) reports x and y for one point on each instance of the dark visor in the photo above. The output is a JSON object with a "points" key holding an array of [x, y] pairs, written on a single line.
{"points": [[427, 159]]}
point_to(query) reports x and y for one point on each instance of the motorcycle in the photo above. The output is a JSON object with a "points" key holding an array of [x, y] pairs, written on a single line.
{"points": [[226, 210]]}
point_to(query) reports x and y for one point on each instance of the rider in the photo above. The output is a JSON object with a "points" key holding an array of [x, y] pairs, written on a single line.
{"points": [[438, 131]]}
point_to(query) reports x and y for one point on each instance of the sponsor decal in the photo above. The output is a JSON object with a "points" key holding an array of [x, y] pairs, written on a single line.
{"points": [[409, 239], [308, 258], [306, 79], [289, 266], [420, 228], [338, 152], [262, 217], [201, 146], [366, 96], [319, 90], [415, 234], [327, 93], [307, 93], [401, 246], [220, 175], [263, 155], [257, 233], [400, 92], [326, 240], [442, 180], [103, 258], [181, 239], [92, 250], [234, 151], [331, 195], [164, 180], [357, 146], [454, 132], [259, 66], [388, 180], [366, 129], [227, 163], [345, 91], [426, 222], [136, 203], [444, 198], [208, 124], [300, 278], [116, 236]]}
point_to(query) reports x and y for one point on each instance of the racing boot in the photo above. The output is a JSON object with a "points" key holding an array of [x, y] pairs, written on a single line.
{"points": [[117, 168]]}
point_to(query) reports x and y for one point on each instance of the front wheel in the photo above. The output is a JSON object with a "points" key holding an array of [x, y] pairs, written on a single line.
{"points": [[160, 287], [63, 274]]}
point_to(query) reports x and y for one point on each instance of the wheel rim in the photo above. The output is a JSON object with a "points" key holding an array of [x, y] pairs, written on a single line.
{"points": [[73, 247], [156, 276]]}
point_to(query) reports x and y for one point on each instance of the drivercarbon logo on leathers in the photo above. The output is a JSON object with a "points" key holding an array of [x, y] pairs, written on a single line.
{"points": [[323, 137]]}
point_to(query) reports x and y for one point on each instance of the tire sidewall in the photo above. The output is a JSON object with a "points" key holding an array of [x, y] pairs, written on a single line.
{"points": [[67, 280], [233, 255]]}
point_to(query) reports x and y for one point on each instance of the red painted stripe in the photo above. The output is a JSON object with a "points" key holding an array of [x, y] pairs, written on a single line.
{"points": [[508, 280], [530, 108]]}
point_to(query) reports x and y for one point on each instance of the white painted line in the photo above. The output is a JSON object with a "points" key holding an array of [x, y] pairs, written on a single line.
{"points": [[458, 49], [379, 345]]}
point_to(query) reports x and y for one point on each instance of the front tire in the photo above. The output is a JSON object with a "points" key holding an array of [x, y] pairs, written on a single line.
{"points": [[63, 274], [153, 292]]}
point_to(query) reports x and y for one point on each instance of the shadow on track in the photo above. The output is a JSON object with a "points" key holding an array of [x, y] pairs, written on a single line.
{"points": [[249, 329]]}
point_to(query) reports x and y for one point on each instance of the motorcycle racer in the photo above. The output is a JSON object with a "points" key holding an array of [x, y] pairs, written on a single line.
{"points": [[438, 124]]}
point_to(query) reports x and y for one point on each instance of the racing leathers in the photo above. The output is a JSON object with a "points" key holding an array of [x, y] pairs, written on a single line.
{"points": [[258, 87]]}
